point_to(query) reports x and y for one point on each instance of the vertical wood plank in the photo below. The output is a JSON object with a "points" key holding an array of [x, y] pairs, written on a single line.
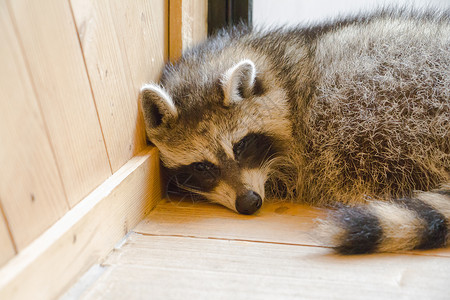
{"points": [[175, 29], [195, 22], [52, 50], [31, 191], [6, 245], [124, 45], [188, 25], [146, 49]]}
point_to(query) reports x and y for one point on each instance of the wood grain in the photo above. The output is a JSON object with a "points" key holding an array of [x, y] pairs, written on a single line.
{"points": [[86, 234], [276, 222], [50, 43], [196, 268], [187, 24], [175, 29], [6, 246], [124, 45], [31, 190], [195, 22]]}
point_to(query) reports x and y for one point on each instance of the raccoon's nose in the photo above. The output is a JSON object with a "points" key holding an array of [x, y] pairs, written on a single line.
{"points": [[248, 203]]}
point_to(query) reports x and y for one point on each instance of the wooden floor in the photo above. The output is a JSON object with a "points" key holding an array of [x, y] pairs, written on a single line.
{"points": [[203, 251]]}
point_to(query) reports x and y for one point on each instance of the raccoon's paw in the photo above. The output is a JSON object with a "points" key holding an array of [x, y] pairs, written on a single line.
{"points": [[350, 230]]}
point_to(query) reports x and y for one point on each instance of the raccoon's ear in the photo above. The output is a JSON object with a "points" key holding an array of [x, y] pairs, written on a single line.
{"points": [[157, 106], [238, 81]]}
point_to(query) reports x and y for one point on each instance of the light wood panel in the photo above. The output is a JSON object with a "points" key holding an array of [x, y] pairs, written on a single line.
{"points": [[6, 246], [31, 191], [124, 45], [86, 234], [275, 222], [50, 43], [197, 268], [195, 22], [188, 25], [175, 29]]}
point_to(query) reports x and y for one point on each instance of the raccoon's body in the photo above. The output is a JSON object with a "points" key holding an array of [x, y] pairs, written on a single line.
{"points": [[353, 112]]}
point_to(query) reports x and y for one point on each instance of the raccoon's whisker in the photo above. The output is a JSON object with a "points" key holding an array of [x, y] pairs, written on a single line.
{"points": [[266, 165], [272, 160], [264, 162], [190, 189]]}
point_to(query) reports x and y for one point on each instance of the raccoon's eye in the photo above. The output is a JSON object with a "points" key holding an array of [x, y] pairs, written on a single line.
{"points": [[240, 146], [253, 149], [208, 172], [203, 166]]}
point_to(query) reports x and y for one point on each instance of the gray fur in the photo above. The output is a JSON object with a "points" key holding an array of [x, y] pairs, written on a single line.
{"points": [[360, 108]]}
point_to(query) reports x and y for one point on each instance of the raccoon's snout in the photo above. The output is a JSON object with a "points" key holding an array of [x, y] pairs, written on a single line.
{"points": [[248, 203]]}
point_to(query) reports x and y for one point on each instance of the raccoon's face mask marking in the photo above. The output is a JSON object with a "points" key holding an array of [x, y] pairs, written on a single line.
{"points": [[236, 182], [225, 154], [196, 177], [254, 149]]}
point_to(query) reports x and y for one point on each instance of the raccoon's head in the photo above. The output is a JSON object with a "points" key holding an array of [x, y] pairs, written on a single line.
{"points": [[220, 133]]}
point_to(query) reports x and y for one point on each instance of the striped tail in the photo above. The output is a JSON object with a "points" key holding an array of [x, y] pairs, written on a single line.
{"points": [[419, 222]]}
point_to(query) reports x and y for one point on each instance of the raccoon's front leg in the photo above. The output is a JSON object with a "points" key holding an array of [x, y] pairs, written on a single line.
{"points": [[419, 222]]}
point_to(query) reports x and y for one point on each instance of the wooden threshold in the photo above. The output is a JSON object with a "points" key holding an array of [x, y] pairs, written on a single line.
{"points": [[86, 234], [187, 250]]}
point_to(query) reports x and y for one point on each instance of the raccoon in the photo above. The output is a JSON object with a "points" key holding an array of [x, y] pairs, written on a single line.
{"points": [[352, 114]]}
